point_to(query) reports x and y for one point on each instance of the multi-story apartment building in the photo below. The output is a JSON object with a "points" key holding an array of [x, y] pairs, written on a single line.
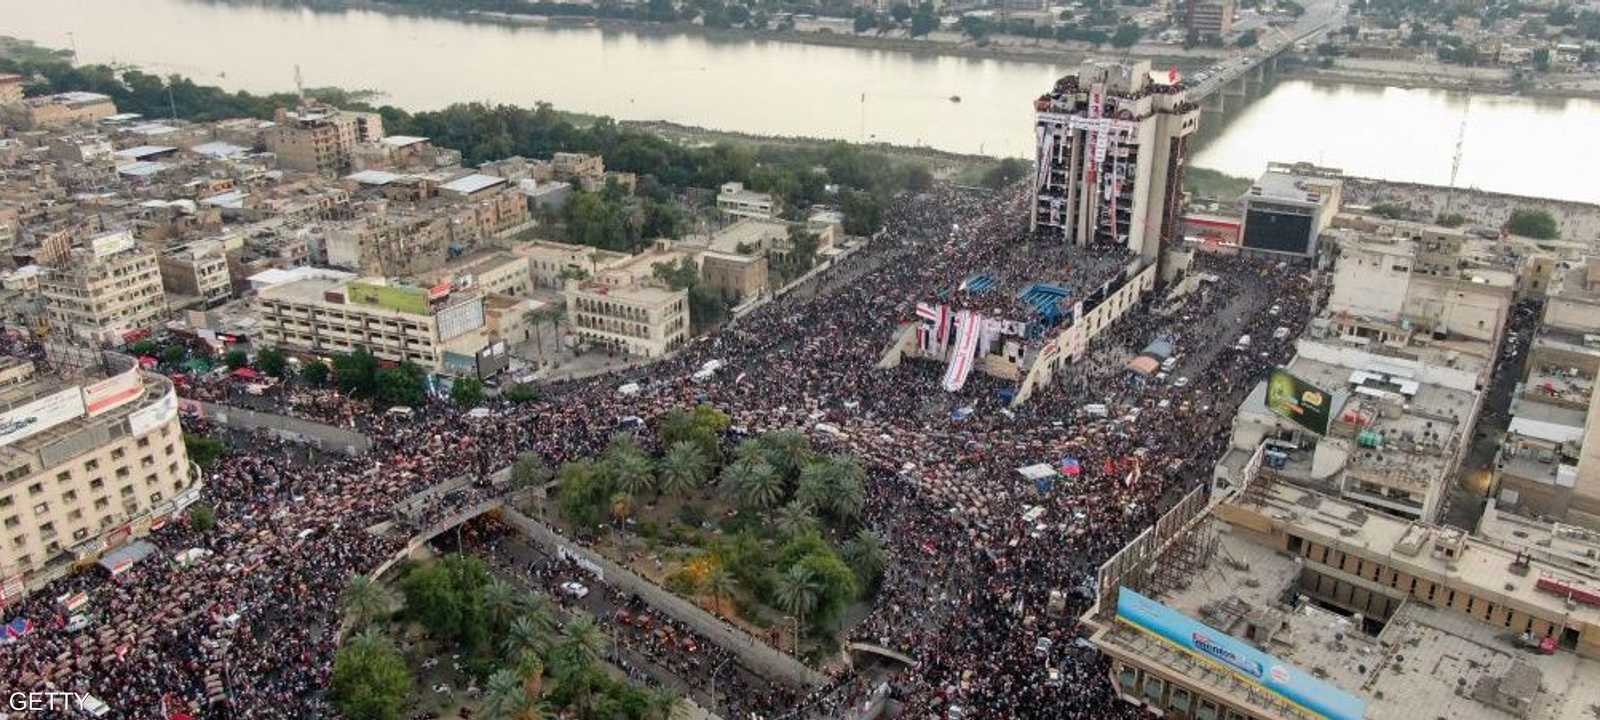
{"points": [[1207, 18], [393, 321], [552, 263], [104, 292], [86, 466], [733, 199], [48, 111], [199, 270], [1112, 147], [635, 319], [320, 138], [11, 88]]}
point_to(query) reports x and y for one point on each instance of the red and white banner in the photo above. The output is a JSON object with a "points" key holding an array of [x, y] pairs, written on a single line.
{"points": [[113, 392]]}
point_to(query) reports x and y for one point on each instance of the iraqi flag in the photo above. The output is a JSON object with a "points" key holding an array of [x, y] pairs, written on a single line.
{"points": [[1071, 467], [18, 629]]}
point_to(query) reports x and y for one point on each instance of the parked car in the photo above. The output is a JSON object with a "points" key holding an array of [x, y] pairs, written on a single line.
{"points": [[574, 589]]}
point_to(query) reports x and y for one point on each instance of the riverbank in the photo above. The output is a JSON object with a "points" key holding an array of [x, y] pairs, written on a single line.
{"points": [[1434, 76], [940, 43]]}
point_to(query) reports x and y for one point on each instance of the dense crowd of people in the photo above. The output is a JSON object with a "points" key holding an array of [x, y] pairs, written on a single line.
{"points": [[966, 589]]}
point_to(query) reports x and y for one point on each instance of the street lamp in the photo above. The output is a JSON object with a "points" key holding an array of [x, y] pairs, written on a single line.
{"points": [[716, 705]]}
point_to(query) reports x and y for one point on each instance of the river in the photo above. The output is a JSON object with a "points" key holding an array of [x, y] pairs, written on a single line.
{"points": [[1512, 144]]}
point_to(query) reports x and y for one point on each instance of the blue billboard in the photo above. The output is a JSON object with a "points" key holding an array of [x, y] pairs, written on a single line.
{"points": [[1233, 655]]}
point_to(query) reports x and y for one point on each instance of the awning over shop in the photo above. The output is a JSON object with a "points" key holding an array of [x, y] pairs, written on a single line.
{"points": [[1144, 365], [120, 560]]}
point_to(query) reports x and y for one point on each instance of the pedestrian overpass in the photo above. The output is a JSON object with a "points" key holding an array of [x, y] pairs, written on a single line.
{"points": [[883, 652]]}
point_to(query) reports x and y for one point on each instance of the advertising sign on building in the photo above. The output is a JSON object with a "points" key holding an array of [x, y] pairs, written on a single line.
{"points": [[113, 392], [400, 298], [145, 419], [41, 415], [1226, 653], [1297, 400], [460, 319]]}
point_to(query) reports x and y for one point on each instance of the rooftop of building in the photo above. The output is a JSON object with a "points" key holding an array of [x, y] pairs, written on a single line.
{"points": [[1033, 275], [755, 233], [475, 182], [1286, 187], [637, 293], [1424, 663], [75, 97], [43, 385]]}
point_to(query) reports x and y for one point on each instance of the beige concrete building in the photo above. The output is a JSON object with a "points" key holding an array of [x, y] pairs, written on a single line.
{"points": [[59, 110], [733, 199], [11, 88], [736, 277], [104, 292], [1293, 605], [319, 138], [86, 466], [1206, 18], [489, 271], [636, 319], [393, 321], [552, 263], [199, 270], [389, 244], [1549, 461]]}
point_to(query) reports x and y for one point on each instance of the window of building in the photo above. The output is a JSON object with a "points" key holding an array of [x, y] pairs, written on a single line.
{"points": [[101, 503], [35, 488], [41, 508], [63, 476], [69, 496], [127, 491], [12, 521], [118, 453], [5, 502]]}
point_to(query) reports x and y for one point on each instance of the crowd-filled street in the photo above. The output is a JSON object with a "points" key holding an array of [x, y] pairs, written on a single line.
{"points": [[967, 584]]}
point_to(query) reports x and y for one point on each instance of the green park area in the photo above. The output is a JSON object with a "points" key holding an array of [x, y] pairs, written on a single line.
{"points": [[767, 533]]}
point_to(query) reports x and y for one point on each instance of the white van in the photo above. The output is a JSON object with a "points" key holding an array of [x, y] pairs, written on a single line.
{"points": [[399, 411], [1096, 410], [1281, 333], [1244, 342], [702, 375], [711, 366], [628, 389], [1168, 364]]}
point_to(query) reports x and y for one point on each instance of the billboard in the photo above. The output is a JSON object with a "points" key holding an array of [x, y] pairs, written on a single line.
{"points": [[112, 392], [400, 298], [460, 319], [1227, 653], [1285, 232], [145, 419], [1295, 399], [41, 415]]}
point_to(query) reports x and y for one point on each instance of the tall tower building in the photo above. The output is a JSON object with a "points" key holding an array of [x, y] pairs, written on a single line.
{"points": [[1111, 149]]}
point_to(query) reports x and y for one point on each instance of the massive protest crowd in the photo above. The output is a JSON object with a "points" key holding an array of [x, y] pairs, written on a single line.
{"points": [[969, 578]]}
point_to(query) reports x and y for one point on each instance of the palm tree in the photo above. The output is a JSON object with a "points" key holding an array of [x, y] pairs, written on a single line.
{"points": [[504, 697], [525, 635], [660, 703], [530, 667], [788, 451], [721, 584], [551, 313], [370, 642], [501, 601], [754, 484], [816, 485], [795, 518], [865, 555], [621, 506], [683, 468], [849, 496], [366, 600], [631, 473], [798, 591], [584, 639]]}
